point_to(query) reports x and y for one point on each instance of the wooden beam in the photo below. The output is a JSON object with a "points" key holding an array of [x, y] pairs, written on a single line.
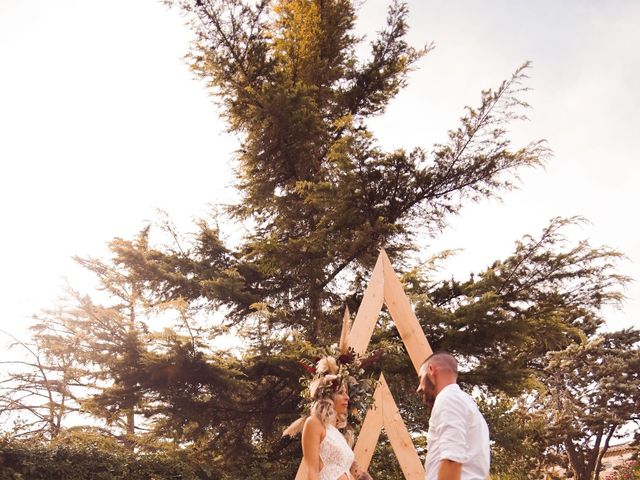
{"points": [[399, 436], [369, 310], [343, 345], [385, 287], [403, 315], [370, 431]]}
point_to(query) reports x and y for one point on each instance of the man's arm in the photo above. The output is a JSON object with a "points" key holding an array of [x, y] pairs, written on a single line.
{"points": [[449, 470], [454, 449]]}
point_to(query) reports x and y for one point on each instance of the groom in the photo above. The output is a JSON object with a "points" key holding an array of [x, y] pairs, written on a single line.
{"points": [[458, 437]]}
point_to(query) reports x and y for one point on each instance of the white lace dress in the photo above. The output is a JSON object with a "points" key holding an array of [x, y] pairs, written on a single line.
{"points": [[335, 454]]}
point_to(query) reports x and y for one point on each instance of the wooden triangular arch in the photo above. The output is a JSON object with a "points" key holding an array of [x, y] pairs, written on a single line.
{"points": [[385, 288]]}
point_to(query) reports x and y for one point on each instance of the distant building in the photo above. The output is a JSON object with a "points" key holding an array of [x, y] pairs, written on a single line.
{"points": [[616, 455]]}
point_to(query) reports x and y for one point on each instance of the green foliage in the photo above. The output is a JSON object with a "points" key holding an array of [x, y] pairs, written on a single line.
{"points": [[520, 444], [95, 457], [47, 373], [594, 390], [384, 460], [544, 297], [322, 195]]}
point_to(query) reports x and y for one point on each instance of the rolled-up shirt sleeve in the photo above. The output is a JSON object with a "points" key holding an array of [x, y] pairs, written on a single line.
{"points": [[452, 430]]}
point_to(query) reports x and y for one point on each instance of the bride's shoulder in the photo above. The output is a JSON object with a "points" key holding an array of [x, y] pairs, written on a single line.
{"points": [[313, 430], [314, 424]]}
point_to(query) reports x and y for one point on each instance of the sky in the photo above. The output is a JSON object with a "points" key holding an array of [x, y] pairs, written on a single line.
{"points": [[102, 124]]}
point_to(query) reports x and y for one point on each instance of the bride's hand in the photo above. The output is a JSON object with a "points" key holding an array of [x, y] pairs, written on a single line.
{"points": [[358, 473]]}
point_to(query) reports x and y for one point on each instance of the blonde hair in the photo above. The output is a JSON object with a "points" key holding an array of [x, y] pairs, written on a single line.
{"points": [[324, 409], [322, 389]]}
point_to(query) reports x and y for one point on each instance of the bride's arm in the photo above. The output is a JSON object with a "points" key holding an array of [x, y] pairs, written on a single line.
{"points": [[312, 434]]}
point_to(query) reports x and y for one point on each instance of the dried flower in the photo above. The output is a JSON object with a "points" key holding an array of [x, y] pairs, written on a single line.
{"points": [[327, 365], [334, 371], [348, 357], [309, 368]]}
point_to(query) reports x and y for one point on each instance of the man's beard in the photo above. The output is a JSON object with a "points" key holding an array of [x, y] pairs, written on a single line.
{"points": [[428, 392]]}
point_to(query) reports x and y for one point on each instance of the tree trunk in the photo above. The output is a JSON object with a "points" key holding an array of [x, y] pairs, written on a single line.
{"points": [[576, 461], [592, 459], [603, 450], [315, 305], [131, 423], [133, 334]]}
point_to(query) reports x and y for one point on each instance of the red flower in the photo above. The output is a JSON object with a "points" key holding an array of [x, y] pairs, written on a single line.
{"points": [[345, 358], [335, 384], [309, 368], [374, 357]]}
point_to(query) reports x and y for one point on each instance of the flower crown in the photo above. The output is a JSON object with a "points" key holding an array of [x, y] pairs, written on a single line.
{"points": [[338, 367], [332, 372]]}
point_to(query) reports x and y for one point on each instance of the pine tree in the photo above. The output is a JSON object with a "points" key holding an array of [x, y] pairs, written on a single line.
{"points": [[593, 392], [320, 192], [547, 295]]}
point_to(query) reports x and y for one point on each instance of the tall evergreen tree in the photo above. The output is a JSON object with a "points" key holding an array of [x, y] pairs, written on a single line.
{"points": [[108, 343], [544, 297], [320, 192], [112, 336]]}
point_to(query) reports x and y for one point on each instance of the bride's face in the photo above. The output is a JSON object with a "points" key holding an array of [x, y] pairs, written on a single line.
{"points": [[341, 401]]}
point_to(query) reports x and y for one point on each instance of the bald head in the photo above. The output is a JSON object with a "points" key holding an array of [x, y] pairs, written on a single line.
{"points": [[443, 361], [436, 372]]}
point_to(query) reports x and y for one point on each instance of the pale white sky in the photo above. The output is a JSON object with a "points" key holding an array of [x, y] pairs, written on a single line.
{"points": [[101, 123]]}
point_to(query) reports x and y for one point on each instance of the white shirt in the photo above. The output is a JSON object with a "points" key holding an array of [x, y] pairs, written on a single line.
{"points": [[458, 432]]}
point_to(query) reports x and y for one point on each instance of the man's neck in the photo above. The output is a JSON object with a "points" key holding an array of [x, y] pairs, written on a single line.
{"points": [[443, 385]]}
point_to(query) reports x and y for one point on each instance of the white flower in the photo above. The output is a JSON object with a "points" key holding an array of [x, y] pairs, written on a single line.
{"points": [[313, 387], [328, 379], [327, 365]]}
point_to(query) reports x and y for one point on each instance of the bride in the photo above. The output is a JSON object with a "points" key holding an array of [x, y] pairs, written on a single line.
{"points": [[326, 453]]}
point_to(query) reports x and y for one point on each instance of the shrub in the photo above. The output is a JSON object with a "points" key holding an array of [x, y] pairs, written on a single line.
{"points": [[102, 459]]}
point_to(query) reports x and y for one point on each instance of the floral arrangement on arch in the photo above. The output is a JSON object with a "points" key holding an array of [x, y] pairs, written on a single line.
{"points": [[336, 366], [334, 369]]}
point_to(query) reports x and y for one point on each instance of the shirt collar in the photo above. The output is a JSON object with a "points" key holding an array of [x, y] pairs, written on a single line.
{"points": [[451, 386]]}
